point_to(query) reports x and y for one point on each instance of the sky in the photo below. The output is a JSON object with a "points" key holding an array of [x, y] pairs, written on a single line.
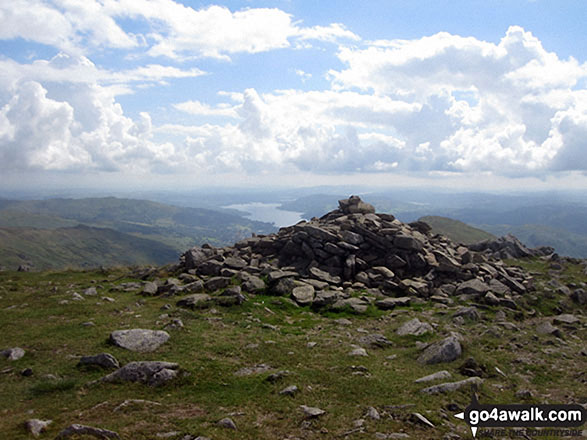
{"points": [[180, 94]]}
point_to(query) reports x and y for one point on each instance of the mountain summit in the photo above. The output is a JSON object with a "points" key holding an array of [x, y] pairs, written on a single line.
{"points": [[355, 249]]}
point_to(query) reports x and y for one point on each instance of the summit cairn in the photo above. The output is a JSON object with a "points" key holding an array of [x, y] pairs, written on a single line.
{"points": [[325, 261]]}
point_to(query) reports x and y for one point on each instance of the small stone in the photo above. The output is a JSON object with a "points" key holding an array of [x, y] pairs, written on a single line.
{"points": [[358, 352], [13, 354], [415, 328], [546, 328], [343, 321], [372, 413], [421, 420], [566, 319], [311, 344], [102, 360], [27, 372], [439, 375], [36, 426], [289, 391], [227, 423], [452, 386], [524, 394], [312, 412], [275, 377], [375, 340], [90, 291]]}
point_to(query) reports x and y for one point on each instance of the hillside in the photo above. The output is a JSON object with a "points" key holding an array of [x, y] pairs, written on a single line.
{"points": [[384, 335], [79, 246], [40, 231], [457, 231]]}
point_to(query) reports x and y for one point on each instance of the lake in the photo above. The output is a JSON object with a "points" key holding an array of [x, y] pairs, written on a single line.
{"points": [[268, 212]]}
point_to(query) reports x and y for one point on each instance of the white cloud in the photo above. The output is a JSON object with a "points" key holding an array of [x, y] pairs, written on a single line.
{"points": [[175, 31], [64, 68]]}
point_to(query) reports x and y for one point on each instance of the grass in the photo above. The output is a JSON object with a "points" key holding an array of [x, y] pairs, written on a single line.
{"points": [[215, 343]]}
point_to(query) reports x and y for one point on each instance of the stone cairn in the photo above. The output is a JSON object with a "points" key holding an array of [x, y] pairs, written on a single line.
{"points": [[349, 258]]}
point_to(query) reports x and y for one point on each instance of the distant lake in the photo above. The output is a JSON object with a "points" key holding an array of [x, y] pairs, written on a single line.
{"points": [[268, 212]]}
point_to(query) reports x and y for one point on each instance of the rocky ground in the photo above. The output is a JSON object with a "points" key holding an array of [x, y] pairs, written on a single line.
{"points": [[349, 326]]}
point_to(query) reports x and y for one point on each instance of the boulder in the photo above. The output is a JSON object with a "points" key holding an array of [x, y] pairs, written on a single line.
{"points": [[12, 354], [303, 295], [452, 386], [446, 350]]}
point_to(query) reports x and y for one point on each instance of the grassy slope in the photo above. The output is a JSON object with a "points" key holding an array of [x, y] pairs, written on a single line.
{"points": [[457, 231], [156, 229], [80, 246], [216, 343]]}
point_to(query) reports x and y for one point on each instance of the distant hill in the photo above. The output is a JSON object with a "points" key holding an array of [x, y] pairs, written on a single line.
{"points": [[80, 246], [456, 230], [161, 232]]}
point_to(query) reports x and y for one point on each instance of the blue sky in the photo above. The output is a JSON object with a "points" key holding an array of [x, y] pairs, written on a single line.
{"points": [[149, 93]]}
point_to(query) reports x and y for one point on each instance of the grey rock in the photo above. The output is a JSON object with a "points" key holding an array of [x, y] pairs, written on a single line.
{"points": [[217, 283], [566, 319], [446, 350], [76, 429], [414, 327], [352, 237], [12, 354], [154, 373], [91, 291], [289, 391], [439, 375], [375, 340], [325, 298], [102, 360], [312, 412], [469, 313], [408, 242], [235, 263], [473, 287], [452, 386], [36, 426], [195, 301], [359, 351], [421, 420], [254, 284], [392, 303], [372, 413], [139, 340], [227, 423], [546, 328], [283, 287], [579, 296], [324, 276], [303, 295]]}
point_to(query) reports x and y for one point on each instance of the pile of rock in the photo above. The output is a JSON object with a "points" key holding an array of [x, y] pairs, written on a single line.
{"points": [[508, 247], [325, 261]]}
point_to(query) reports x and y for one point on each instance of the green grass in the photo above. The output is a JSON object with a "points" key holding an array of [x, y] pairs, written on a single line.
{"points": [[214, 344]]}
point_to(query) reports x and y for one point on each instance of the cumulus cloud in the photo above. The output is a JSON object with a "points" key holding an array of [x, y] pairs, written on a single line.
{"points": [[175, 31], [89, 131]]}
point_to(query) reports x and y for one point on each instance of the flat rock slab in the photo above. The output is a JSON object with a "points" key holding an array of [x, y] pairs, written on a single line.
{"points": [[446, 350], [76, 430], [439, 375], [139, 340], [452, 386], [154, 373]]}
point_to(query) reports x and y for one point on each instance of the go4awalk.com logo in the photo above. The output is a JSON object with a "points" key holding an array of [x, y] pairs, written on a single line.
{"points": [[564, 419]]}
